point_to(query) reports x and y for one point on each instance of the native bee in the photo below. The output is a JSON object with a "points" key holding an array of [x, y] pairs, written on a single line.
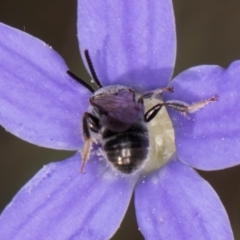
{"points": [[117, 115]]}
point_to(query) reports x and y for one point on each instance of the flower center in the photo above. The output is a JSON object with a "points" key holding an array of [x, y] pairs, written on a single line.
{"points": [[118, 150], [161, 136]]}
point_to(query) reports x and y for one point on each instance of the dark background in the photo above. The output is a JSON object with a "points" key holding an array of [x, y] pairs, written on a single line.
{"points": [[208, 32]]}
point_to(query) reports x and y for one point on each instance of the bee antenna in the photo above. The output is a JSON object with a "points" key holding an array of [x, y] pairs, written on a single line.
{"points": [[79, 80], [91, 68]]}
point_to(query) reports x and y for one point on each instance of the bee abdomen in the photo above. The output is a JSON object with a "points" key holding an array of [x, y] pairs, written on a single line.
{"points": [[127, 160], [128, 150]]}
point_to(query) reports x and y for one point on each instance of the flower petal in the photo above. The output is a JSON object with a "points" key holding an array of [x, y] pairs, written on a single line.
{"points": [[130, 42], [210, 138], [61, 203], [176, 203], [39, 102]]}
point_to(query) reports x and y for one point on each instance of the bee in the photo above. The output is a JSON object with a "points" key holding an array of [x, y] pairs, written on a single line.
{"points": [[117, 115]]}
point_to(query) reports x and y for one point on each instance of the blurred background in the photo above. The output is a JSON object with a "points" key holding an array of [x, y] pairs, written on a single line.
{"points": [[208, 32]]}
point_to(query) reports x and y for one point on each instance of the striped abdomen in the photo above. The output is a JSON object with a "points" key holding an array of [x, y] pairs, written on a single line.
{"points": [[127, 150]]}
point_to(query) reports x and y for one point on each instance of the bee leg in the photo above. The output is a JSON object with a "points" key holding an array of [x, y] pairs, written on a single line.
{"points": [[185, 108], [156, 93], [151, 113], [92, 123]]}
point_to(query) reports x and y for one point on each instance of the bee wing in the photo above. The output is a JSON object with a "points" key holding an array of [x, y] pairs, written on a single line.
{"points": [[121, 106]]}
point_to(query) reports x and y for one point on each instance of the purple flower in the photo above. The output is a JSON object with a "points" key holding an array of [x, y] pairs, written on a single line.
{"points": [[132, 44]]}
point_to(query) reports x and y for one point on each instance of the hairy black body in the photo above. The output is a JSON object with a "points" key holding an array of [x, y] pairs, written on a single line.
{"points": [[126, 150]]}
